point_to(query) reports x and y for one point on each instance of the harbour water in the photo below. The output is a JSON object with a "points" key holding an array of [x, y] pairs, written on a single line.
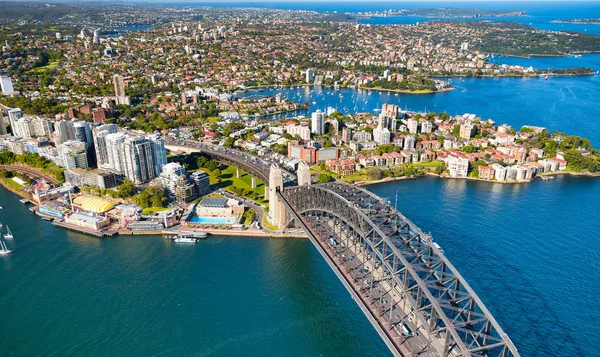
{"points": [[530, 252]]}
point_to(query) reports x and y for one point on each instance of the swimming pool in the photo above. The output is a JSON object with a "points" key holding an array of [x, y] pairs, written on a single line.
{"points": [[213, 220]]}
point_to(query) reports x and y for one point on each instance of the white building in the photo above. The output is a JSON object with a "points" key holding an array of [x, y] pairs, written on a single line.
{"points": [[114, 143], [170, 175], [72, 154], [318, 123], [412, 125], [137, 159], [381, 136], [310, 75], [458, 166], [6, 84], [426, 127], [499, 172]]}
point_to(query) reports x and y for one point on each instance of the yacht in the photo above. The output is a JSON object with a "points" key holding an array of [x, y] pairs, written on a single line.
{"points": [[0, 225], [185, 240], [8, 234], [3, 249]]}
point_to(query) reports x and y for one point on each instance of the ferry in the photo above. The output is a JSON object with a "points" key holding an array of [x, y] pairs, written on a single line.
{"points": [[3, 249], [185, 240], [8, 234]]}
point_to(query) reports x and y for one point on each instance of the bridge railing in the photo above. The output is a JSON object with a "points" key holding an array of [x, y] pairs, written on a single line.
{"points": [[457, 320]]}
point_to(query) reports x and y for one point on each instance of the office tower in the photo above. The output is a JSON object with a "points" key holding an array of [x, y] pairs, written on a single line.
{"points": [[159, 153], [96, 38], [114, 155], [41, 127], [318, 123], [7, 86], [137, 155], [99, 133]]}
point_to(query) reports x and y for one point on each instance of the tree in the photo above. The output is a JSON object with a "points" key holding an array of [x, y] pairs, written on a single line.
{"points": [[374, 173], [212, 165], [324, 178], [126, 189]]}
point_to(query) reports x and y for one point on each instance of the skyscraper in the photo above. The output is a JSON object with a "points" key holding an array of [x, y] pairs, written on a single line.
{"points": [[114, 155], [318, 123], [83, 133], [137, 154], [99, 133], [119, 85], [159, 154], [63, 131], [14, 114]]}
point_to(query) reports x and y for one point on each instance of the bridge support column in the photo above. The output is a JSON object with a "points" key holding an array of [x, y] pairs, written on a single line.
{"points": [[253, 182], [303, 174], [276, 208]]}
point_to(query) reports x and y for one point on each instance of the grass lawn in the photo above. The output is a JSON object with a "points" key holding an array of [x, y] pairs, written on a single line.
{"points": [[12, 184], [427, 164], [153, 210], [229, 179], [45, 68]]}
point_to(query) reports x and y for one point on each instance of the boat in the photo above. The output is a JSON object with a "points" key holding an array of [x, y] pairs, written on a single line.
{"points": [[0, 225], [8, 234], [1, 208], [546, 78], [547, 178], [3, 249], [185, 240]]}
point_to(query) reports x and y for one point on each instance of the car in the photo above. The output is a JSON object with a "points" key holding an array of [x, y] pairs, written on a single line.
{"points": [[406, 331]]}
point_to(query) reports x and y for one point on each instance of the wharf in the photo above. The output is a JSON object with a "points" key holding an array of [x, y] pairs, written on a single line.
{"points": [[99, 234]]}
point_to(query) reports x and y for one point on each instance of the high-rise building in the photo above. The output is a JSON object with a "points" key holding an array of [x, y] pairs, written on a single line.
{"points": [[63, 131], [310, 75], [137, 154], [2, 124], [99, 133], [159, 153], [6, 84], [318, 123], [96, 38], [114, 143], [14, 114], [72, 154], [169, 177], [426, 126], [412, 125], [119, 85], [346, 135], [381, 136], [83, 133], [22, 128]]}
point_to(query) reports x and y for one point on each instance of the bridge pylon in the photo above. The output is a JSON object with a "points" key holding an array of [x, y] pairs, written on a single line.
{"points": [[303, 174], [276, 208]]}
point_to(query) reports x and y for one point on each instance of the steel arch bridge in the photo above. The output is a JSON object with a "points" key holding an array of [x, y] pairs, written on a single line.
{"points": [[414, 297]]}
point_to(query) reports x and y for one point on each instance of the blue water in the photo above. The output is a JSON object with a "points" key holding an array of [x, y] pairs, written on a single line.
{"points": [[212, 220], [529, 251], [540, 13], [67, 294], [568, 104]]}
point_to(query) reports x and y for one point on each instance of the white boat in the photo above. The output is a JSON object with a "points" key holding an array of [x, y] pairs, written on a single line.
{"points": [[0, 225], [185, 240], [8, 234], [3, 249]]}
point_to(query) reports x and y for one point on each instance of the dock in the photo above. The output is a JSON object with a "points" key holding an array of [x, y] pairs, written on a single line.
{"points": [[99, 234]]}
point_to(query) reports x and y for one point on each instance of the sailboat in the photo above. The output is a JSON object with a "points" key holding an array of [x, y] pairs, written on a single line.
{"points": [[8, 234], [0, 225], [3, 249]]}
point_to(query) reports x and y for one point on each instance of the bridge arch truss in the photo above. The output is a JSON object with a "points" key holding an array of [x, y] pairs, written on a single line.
{"points": [[398, 275]]}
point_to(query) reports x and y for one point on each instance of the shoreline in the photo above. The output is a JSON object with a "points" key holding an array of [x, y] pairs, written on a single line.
{"points": [[431, 174], [120, 232]]}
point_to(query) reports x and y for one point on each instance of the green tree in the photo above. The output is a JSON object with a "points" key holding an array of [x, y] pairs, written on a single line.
{"points": [[126, 189], [324, 178]]}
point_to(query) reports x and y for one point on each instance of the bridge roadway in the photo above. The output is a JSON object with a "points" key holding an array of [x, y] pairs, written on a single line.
{"points": [[253, 165], [416, 300], [31, 172]]}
